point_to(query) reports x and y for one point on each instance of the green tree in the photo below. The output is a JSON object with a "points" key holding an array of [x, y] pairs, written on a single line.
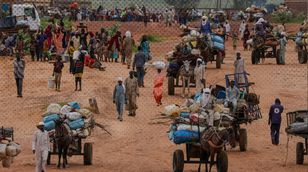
{"points": [[182, 4]]}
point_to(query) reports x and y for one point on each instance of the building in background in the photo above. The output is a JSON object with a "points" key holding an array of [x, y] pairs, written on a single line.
{"points": [[298, 6]]}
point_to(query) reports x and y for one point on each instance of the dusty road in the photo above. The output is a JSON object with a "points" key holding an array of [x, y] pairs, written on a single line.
{"points": [[141, 143]]}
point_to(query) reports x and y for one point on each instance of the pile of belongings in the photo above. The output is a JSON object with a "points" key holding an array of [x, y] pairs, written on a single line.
{"points": [[190, 120], [282, 8], [254, 9], [302, 39], [79, 121], [8, 150]]}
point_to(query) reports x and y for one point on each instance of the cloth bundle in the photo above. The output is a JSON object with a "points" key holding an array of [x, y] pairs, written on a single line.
{"points": [[7, 152]]}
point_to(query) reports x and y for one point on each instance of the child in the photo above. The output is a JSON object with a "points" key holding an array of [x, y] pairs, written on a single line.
{"points": [[234, 40], [71, 50], [45, 50], [20, 45]]}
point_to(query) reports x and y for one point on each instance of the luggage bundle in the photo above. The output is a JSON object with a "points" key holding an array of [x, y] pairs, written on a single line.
{"points": [[8, 151], [78, 121], [218, 42]]}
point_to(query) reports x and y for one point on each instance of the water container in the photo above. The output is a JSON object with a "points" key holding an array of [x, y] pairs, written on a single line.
{"points": [[52, 117], [79, 123], [219, 46], [50, 125], [51, 82]]}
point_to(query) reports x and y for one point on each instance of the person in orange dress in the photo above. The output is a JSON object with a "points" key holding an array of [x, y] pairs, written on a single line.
{"points": [[158, 87]]}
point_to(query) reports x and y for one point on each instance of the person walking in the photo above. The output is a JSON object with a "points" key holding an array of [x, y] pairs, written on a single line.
{"points": [[145, 46], [71, 50], [40, 147], [246, 36], [78, 71], [57, 72], [158, 87], [274, 120], [128, 44], [199, 73], [138, 63], [282, 43], [40, 39], [19, 69], [119, 98], [239, 69], [33, 47], [132, 92], [228, 30]]}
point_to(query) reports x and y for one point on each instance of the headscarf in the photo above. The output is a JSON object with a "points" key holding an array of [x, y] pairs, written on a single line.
{"points": [[128, 34], [206, 97]]}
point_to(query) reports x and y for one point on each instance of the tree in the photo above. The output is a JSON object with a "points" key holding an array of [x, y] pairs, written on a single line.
{"points": [[179, 4]]}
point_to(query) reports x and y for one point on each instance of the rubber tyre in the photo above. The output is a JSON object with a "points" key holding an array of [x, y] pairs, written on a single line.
{"points": [[178, 161], [222, 162], [299, 153], [277, 57], [218, 60], [87, 154], [243, 140], [254, 56], [302, 56], [49, 159], [170, 85]]}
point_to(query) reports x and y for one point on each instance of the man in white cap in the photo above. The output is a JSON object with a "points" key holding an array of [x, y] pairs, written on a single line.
{"points": [[40, 147], [239, 69], [119, 98], [199, 73], [128, 44]]}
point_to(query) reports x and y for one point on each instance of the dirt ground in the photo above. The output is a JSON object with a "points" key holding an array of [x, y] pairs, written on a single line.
{"points": [[141, 143]]}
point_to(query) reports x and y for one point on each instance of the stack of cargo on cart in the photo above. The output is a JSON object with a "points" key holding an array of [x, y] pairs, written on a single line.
{"points": [[8, 148]]}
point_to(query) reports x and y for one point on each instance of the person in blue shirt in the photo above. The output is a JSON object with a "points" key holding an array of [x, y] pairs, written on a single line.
{"points": [[145, 45], [205, 26], [274, 120]]}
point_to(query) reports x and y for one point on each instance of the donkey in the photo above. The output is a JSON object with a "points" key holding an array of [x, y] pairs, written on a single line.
{"points": [[186, 73], [63, 140]]}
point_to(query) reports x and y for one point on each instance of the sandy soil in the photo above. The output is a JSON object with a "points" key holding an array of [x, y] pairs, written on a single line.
{"points": [[141, 143]]}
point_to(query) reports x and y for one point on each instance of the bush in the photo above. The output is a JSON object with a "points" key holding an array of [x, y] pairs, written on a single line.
{"points": [[282, 17], [154, 38]]}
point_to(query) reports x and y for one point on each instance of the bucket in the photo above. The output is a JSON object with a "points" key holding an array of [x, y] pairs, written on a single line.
{"points": [[65, 58], [51, 82]]}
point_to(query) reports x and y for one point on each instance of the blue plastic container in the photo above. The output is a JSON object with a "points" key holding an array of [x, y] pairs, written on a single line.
{"points": [[79, 123], [74, 105], [219, 46], [185, 136], [50, 125], [53, 117], [216, 38], [185, 114]]}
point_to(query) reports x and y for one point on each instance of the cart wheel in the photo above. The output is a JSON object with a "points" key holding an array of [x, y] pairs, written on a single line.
{"points": [[178, 161], [277, 57], [170, 85], [218, 60], [299, 153], [254, 56], [222, 162], [87, 154], [302, 56], [48, 158], [243, 140]]}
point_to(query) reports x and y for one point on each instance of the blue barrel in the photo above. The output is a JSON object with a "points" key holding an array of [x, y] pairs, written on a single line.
{"points": [[219, 46], [216, 38], [79, 123], [74, 105], [53, 117], [50, 125]]}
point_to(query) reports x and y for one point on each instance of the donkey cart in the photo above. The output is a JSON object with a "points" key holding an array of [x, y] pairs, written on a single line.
{"points": [[194, 151], [301, 130], [264, 49], [6, 134], [75, 149]]}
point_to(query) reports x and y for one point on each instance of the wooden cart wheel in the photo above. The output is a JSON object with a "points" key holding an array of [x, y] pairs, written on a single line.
{"points": [[299, 153], [243, 140], [170, 85], [87, 153], [222, 162], [302, 56], [178, 161], [218, 60], [254, 56], [277, 57], [49, 159]]}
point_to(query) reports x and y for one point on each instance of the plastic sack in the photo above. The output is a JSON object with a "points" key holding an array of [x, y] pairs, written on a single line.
{"points": [[219, 46], [72, 116], [84, 133], [185, 136], [194, 107], [11, 151], [218, 39], [85, 113], [184, 114], [53, 109], [2, 151], [66, 109], [17, 146], [79, 123], [74, 105], [190, 128], [76, 55], [172, 110], [53, 117], [7, 161], [159, 64], [51, 125]]}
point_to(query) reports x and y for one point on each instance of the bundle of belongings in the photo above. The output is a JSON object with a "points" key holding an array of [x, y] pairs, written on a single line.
{"points": [[8, 150], [300, 123], [78, 121]]}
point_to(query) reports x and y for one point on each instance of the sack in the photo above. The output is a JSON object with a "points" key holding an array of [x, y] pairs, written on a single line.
{"points": [[86, 113], [6, 162], [159, 65], [2, 151], [76, 55], [72, 116], [194, 107], [74, 105], [184, 114], [172, 110], [84, 133], [190, 128], [53, 117], [218, 39], [74, 125], [17, 146], [185, 136], [11, 151], [66, 109], [52, 109], [51, 125], [219, 46]]}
